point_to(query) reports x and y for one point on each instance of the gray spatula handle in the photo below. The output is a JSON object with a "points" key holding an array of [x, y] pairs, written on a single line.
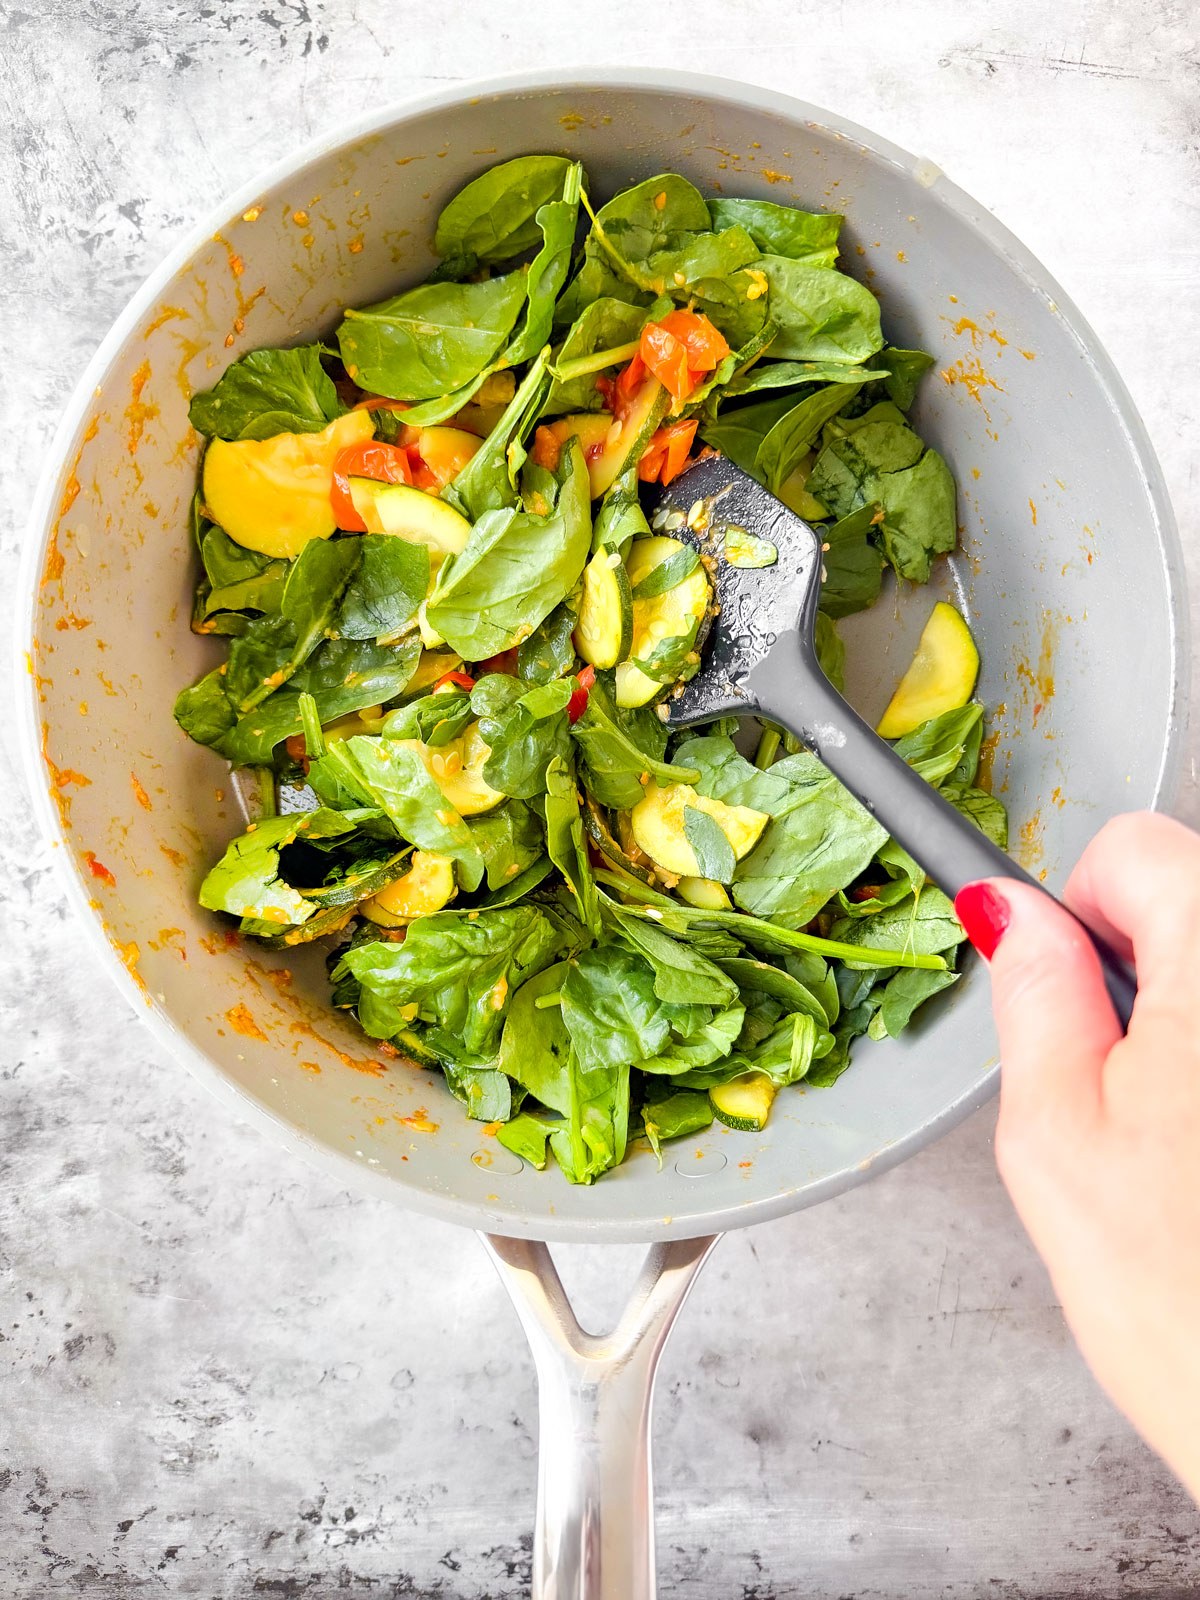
{"points": [[951, 849]]}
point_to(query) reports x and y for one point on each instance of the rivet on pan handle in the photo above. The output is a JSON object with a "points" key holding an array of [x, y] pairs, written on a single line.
{"points": [[594, 1538]]}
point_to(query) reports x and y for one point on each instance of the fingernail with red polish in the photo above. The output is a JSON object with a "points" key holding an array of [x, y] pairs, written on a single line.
{"points": [[984, 914]]}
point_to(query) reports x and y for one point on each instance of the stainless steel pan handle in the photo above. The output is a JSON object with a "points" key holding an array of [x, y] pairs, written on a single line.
{"points": [[594, 1537]]}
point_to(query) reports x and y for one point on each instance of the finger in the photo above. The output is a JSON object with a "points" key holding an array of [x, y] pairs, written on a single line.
{"points": [[1053, 1015], [1139, 881]]}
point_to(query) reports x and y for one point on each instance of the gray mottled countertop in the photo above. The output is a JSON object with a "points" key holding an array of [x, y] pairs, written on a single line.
{"points": [[220, 1374]]}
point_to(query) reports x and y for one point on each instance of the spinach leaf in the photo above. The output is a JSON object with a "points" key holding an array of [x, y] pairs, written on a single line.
{"points": [[509, 840], [246, 881], [790, 439], [486, 1093], [714, 853], [772, 374], [818, 840], [274, 648], [667, 574], [391, 775], [675, 1114], [342, 675], [603, 326], [238, 579], [984, 810], [877, 459], [535, 1048], [904, 370], [549, 651], [430, 340], [526, 1137], [515, 568], [781, 231], [203, 711], [548, 270], [831, 652], [760, 976], [460, 971], [387, 588], [648, 218], [621, 519], [597, 1129], [526, 737], [565, 843], [488, 481], [905, 992], [611, 1010], [712, 1039], [434, 719], [495, 216], [852, 565], [821, 315], [612, 754], [683, 976], [937, 746], [268, 392], [924, 924], [788, 1051], [739, 434]]}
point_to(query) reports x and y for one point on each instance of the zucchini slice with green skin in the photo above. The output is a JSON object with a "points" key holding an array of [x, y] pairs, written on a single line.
{"points": [[598, 832], [604, 632], [744, 1102], [427, 886], [706, 894], [365, 880], [660, 822], [940, 678], [667, 626], [409, 513]]}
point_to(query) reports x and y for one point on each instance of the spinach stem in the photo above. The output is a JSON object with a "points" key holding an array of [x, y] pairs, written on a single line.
{"points": [[314, 738], [267, 804], [545, 1001], [768, 745], [564, 371]]}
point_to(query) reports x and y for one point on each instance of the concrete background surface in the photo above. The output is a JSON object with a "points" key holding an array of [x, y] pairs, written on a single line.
{"points": [[222, 1376]]}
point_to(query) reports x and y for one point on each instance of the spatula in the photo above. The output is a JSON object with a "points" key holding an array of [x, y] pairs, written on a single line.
{"points": [[760, 659]]}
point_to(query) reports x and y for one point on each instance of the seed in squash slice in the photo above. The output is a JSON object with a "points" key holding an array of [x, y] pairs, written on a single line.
{"points": [[940, 678]]}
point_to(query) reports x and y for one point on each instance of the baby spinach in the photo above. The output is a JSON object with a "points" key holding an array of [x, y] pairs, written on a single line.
{"points": [[430, 340], [311, 595], [526, 736], [821, 315], [515, 568], [852, 566], [565, 843], [246, 881], [877, 459], [510, 841], [710, 846], [385, 590], [779, 230], [268, 392], [605, 327], [616, 748], [391, 775], [675, 1114], [611, 1010], [905, 992], [548, 271], [790, 439], [488, 481], [495, 217]]}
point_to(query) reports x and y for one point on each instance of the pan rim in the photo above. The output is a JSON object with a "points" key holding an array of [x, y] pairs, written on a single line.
{"points": [[508, 1218]]}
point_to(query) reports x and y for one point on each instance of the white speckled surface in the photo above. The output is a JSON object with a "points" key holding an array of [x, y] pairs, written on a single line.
{"points": [[222, 1376]]}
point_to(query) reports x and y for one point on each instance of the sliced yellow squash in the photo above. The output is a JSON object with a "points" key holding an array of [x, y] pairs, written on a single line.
{"points": [[272, 495], [743, 1103], [604, 631], [658, 824], [940, 678], [427, 886], [706, 894], [668, 623], [410, 513], [457, 769]]}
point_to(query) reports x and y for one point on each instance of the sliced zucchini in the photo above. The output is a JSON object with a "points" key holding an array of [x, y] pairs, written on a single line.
{"points": [[598, 832], [410, 513], [658, 824], [360, 883], [427, 886], [706, 894], [743, 1103], [666, 626], [591, 428], [940, 678], [444, 451], [272, 495], [628, 437], [604, 632], [434, 664], [457, 769]]}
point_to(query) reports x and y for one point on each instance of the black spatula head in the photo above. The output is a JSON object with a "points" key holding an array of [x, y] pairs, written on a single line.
{"points": [[765, 566]]}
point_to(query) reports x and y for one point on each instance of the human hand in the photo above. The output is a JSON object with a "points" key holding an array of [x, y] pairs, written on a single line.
{"points": [[1098, 1140]]}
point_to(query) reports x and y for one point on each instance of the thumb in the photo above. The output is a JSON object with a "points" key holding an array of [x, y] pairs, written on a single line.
{"points": [[1053, 1015]]}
